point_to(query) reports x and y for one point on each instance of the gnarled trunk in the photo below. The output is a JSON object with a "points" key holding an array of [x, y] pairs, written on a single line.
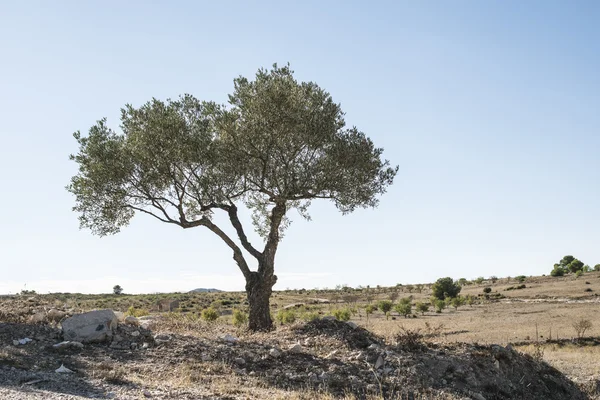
{"points": [[259, 289]]}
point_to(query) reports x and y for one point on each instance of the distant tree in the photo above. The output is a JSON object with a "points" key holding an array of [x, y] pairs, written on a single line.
{"points": [[479, 280], [462, 281], [385, 306], [566, 260], [493, 278], [277, 146], [393, 296], [597, 267], [558, 270], [457, 302], [403, 309], [587, 268], [117, 289], [445, 287], [439, 305], [521, 278], [575, 266]]}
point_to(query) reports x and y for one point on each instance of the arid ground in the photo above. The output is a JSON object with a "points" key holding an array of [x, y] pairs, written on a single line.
{"points": [[509, 343]]}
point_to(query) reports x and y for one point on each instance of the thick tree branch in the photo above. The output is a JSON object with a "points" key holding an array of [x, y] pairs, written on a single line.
{"points": [[238, 256], [235, 221]]}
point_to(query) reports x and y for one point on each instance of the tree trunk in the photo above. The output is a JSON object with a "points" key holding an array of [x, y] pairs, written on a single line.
{"points": [[259, 289]]}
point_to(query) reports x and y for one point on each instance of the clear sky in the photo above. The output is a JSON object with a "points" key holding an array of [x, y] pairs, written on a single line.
{"points": [[490, 108]]}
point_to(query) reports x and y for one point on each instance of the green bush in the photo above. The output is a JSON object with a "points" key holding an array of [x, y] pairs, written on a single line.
{"points": [[487, 290], [422, 307], [479, 280], [439, 305], [557, 271], [597, 267], [342, 314], [239, 318], [578, 273], [404, 309], [521, 278], [136, 312], [286, 316], [310, 316], [457, 302], [385, 306], [209, 314], [445, 288]]}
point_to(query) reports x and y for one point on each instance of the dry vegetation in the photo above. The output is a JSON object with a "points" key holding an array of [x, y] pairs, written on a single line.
{"points": [[540, 320]]}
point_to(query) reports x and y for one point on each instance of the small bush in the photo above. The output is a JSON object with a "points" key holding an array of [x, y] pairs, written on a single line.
{"points": [[439, 306], [521, 278], [557, 271], [136, 312], [479, 280], [310, 316], [581, 326], [209, 314], [487, 290], [422, 307], [404, 309], [588, 290], [342, 314], [239, 318], [385, 306], [578, 273], [286, 316]]}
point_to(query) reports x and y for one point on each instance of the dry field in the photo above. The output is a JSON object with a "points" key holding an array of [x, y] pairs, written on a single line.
{"points": [[536, 320]]}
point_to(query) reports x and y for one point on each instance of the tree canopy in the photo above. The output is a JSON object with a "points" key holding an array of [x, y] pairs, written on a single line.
{"points": [[445, 288], [278, 145]]}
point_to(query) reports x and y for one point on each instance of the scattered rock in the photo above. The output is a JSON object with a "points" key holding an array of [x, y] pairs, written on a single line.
{"points": [[22, 341], [55, 315], [90, 327], [37, 318], [68, 344], [63, 370], [162, 338], [229, 339], [131, 320], [352, 325], [379, 363], [295, 348], [239, 361], [274, 353]]}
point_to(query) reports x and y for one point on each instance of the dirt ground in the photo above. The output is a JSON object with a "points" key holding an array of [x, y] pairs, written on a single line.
{"points": [[518, 344]]}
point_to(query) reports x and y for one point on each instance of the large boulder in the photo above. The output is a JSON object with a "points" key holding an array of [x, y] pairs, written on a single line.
{"points": [[93, 326]]}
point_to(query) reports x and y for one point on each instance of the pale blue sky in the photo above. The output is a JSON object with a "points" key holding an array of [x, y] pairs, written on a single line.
{"points": [[490, 108]]}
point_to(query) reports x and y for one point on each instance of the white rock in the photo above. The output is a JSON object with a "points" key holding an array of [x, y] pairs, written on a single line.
{"points": [[67, 344], [131, 320], [63, 370], [93, 326], [274, 353], [353, 325], [240, 361], [23, 341], [329, 318], [162, 338], [135, 333], [120, 316], [295, 348], [229, 339]]}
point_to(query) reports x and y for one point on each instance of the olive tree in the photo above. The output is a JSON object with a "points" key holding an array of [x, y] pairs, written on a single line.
{"points": [[276, 146]]}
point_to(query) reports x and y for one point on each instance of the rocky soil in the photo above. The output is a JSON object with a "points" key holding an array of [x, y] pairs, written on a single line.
{"points": [[324, 357]]}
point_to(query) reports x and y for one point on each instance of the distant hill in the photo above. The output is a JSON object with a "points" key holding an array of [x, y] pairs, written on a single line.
{"points": [[204, 290]]}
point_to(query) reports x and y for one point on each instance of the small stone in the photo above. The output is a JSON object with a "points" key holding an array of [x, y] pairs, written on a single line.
{"points": [[240, 361], [329, 318], [379, 363], [135, 333], [229, 339], [131, 320], [206, 357], [162, 338], [274, 352], [15, 342], [145, 345], [68, 344], [146, 393], [352, 325], [295, 348], [63, 370], [477, 396]]}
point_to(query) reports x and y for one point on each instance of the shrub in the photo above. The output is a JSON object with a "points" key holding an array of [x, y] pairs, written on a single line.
{"points": [[136, 312], [445, 287], [342, 314], [370, 309], [422, 307], [578, 273], [462, 281], [439, 305], [487, 290], [597, 267], [403, 309], [581, 326], [310, 316], [239, 318], [457, 302], [557, 271], [521, 278], [493, 278], [470, 300], [209, 314], [479, 280], [286, 316], [385, 306]]}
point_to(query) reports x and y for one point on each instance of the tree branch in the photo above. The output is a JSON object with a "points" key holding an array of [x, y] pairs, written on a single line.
{"points": [[235, 221]]}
